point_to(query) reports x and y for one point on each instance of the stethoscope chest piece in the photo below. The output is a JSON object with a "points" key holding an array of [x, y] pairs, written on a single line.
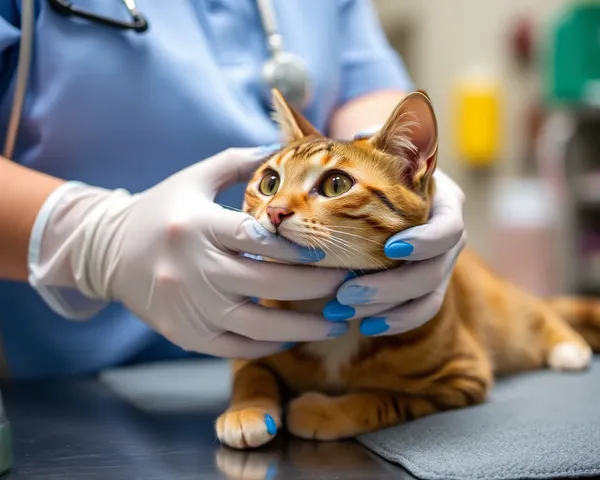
{"points": [[288, 73], [285, 71]]}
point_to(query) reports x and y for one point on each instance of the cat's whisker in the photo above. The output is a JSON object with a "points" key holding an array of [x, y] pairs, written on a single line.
{"points": [[351, 235], [340, 241], [340, 251], [318, 225], [325, 246], [350, 246], [327, 250], [377, 264], [347, 249], [328, 242]]}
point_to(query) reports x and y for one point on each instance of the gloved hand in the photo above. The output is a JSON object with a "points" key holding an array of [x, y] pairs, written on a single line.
{"points": [[406, 297], [172, 256]]}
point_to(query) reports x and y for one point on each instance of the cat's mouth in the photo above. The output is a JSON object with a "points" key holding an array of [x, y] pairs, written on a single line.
{"points": [[293, 234]]}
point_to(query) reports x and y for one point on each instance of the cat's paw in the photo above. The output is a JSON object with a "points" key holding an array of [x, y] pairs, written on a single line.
{"points": [[315, 416], [569, 356], [248, 427]]}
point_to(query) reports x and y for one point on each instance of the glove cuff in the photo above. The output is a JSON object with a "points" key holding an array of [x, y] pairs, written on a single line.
{"points": [[62, 267]]}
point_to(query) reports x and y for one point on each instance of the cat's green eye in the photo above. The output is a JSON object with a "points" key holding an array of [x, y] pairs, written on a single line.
{"points": [[269, 184], [335, 184]]}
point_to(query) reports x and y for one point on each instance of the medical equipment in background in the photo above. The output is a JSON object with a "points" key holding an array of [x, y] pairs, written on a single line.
{"points": [[524, 233], [477, 100], [572, 71], [568, 151]]}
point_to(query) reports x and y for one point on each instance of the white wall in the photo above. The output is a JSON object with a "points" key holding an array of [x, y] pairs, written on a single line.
{"points": [[449, 36]]}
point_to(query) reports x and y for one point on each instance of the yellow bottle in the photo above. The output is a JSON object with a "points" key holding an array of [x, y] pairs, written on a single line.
{"points": [[478, 122]]}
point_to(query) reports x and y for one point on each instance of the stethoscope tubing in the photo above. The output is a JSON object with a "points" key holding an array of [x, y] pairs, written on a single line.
{"points": [[139, 23]]}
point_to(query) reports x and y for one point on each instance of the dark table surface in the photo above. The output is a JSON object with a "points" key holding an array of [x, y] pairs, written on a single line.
{"points": [[157, 424]]}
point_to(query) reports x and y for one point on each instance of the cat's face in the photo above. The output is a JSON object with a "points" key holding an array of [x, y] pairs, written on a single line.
{"points": [[345, 198]]}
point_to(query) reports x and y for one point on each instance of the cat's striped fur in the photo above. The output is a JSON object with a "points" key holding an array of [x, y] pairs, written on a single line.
{"points": [[355, 384]]}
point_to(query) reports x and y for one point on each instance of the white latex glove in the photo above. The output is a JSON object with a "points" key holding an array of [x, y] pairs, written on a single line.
{"points": [[172, 256], [406, 297]]}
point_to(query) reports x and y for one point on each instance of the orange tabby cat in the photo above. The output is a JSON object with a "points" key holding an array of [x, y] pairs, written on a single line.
{"points": [[348, 198]]}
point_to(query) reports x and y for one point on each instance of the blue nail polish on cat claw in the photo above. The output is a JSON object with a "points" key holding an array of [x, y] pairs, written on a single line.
{"points": [[271, 425], [288, 345], [374, 326], [334, 311], [356, 295], [338, 329], [398, 249]]}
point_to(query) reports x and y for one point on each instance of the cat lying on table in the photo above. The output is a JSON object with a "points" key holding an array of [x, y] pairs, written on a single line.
{"points": [[347, 198]]}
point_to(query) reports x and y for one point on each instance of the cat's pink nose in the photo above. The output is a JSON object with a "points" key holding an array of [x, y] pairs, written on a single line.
{"points": [[278, 214]]}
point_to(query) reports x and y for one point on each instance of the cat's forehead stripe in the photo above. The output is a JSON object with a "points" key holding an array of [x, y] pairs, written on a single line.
{"points": [[320, 159], [284, 156], [313, 147]]}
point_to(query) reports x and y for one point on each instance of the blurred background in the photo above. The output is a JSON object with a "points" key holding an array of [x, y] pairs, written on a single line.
{"points": [[516, 86]]}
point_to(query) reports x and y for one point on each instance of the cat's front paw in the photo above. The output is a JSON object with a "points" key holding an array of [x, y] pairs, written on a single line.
{"points": [[248, 427], [315, 416]]}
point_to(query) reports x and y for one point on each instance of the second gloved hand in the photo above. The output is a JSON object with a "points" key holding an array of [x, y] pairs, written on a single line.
{"points": [[404, 298], [173, 257]]}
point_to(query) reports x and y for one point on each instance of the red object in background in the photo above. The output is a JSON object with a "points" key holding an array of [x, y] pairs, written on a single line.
{"points": [[522, 39]]}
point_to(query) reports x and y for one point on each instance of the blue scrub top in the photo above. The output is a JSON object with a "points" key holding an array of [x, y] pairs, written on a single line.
{"points": [[120, 109]]}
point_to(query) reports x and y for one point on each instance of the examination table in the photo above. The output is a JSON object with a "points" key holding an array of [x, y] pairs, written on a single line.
{"points": [[155, 422]]}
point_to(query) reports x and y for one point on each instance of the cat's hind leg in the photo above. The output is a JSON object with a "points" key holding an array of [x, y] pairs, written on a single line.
{"points": [[582, 314], [254, 414], [323, 417]]}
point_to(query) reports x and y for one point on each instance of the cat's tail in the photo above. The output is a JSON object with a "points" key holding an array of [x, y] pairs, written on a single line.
{"points": [[582, 314]]}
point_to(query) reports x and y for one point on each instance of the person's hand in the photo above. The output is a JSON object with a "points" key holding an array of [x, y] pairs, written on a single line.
{"points": [[173, 257], [404, 298]]}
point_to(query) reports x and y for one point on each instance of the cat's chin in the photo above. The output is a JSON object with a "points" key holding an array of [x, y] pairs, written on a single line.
{"points": [[291, 238], [293, 241], [365, 262]]}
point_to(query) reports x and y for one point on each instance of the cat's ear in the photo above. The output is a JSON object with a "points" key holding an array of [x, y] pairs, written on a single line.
{"points": [[292, 123], [411, 134]]}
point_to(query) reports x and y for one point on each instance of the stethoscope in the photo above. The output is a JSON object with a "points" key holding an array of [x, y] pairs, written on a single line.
{"points": [[283, 70]]}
